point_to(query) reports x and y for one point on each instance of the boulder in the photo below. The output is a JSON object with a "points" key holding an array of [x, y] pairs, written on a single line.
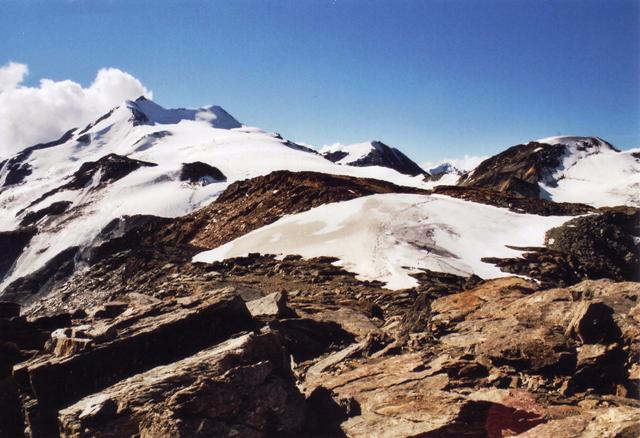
{"points": [[241, 387], [87, 359]]}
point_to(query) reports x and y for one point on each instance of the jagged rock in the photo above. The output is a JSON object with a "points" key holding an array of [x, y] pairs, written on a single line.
{"points": [[20, 339], [326, 411], [241, 387], [592, 323], [201, 173], [589, 247], [273, 305], [516, 170], [110, 309], [307, 339], [133, 342]]}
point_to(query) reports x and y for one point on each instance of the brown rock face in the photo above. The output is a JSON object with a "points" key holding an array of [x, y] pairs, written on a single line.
{"points": [[517, 170], [241, 387], [94, 357], [20, 339], [501, 359]]}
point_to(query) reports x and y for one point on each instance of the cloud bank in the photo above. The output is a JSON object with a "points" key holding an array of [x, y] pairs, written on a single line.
{"points": [[31, 115]]}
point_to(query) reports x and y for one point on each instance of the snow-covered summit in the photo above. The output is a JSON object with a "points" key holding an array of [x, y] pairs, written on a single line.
{"points": [[371, 153], [156, 114], [576, 141]]}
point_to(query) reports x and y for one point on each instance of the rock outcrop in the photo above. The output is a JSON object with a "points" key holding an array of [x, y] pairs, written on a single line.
{"points": [[87, 358], [241, 387], [601, 245]]}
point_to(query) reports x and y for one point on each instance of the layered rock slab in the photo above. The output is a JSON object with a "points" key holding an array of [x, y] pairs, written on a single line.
{"points": [[85, 359], [241, 387]]}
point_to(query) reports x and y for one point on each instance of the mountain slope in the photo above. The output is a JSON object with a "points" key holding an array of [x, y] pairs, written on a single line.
{"points": [[564, 169]]}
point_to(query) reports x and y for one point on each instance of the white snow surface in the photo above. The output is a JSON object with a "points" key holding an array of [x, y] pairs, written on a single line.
{"points": [[593, 173], [354, 151], [170, 138], [387, 237]]}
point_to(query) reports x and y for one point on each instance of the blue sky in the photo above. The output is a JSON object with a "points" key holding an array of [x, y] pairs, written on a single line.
{"points": [[435, 78]]}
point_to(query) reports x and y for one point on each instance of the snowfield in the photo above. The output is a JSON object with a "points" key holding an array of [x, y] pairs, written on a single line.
{"points": [[387, 237], [594, 173]]}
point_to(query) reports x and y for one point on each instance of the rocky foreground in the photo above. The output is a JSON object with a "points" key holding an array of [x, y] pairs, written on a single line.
{"points": [[501, 358]]}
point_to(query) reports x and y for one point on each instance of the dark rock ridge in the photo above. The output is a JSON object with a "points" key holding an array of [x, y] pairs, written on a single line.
{"points": [[520, 168], [514, 202], [381, 155], [201, 173], [38, 283], [56, 271], [54, 209], [108, 169], [602, 245], [81, 361], [233, 214], [20, 339], [242, 387]]}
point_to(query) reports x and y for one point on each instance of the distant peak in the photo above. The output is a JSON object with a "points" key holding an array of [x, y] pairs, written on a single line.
{"points": [[577, 141], [146, 111]]}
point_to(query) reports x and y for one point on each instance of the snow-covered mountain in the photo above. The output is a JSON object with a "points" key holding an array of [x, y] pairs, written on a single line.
{"points": [[563, 169], [140, 159], [445, 174], [371, 153]]}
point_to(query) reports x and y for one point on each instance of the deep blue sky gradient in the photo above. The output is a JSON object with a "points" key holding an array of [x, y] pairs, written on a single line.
{"points": [[436, 78]]}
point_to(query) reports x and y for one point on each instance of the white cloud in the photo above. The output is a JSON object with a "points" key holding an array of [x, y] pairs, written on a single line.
{"points": [[468, 162], [30, 115], [11, 75]]}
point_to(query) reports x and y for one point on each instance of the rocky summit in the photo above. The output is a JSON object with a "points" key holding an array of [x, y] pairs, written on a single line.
{"points": [[176, 273]]}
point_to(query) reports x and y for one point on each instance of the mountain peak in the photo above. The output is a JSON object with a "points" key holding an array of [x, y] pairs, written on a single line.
{"points": [[371, 153], [579, 142], [146, 111]]}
